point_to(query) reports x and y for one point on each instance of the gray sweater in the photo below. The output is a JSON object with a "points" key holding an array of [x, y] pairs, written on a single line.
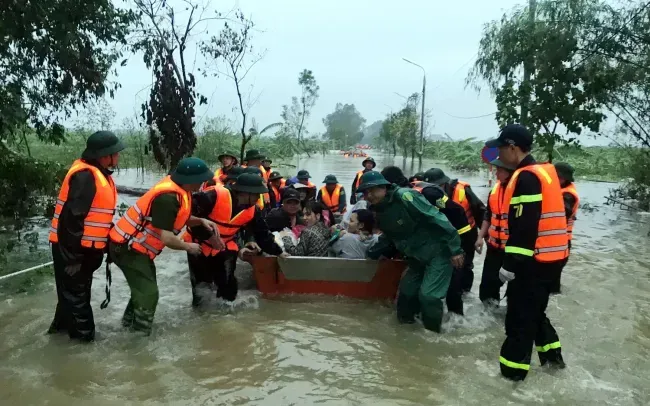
{"points": [[352, 246]]}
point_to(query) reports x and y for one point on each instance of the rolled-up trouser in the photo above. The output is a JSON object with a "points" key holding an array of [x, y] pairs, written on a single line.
{"points": [[73, 311], [490, 283], [140, 273], [218, 269], [422, 288], [526, 321], [467, 244]]}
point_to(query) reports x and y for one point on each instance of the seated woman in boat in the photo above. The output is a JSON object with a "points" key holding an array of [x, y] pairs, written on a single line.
{"points": [[360, 204], [314, 239], [354, 242]]}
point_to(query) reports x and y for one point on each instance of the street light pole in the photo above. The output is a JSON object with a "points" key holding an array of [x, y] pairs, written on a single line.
{"points": [[424, 87]]}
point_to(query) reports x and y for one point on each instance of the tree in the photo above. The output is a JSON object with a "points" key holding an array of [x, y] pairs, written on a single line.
{"points": [[55, 56], [561, 88], [163, 39], [344, 124], [234, 48], [387, 134], [294, 117]]}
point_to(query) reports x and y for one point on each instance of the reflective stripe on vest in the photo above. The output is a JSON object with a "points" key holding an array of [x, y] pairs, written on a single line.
{"points": [[99, 219], [498, 230], [332, 202], [552, 240], [571, 189], [135, 226], [460, 198], [228, 227]]}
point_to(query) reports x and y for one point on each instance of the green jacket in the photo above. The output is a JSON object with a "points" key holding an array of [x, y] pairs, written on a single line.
{"points": [[414, 227]]}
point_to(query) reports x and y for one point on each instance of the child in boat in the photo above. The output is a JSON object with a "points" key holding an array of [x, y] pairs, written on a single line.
{"points": [[354, 243], [314, 239]]}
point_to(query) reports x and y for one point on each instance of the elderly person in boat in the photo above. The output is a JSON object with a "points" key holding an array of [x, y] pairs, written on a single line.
{"points": [[431, 245], [314, 239], [354, 242]]}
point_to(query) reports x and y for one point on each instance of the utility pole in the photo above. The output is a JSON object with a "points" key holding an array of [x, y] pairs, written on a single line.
{"points": [[424, 86], [529, 64]]}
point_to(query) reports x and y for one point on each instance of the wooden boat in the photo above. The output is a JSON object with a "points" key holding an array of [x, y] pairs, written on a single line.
{"points": [[356, 278]]}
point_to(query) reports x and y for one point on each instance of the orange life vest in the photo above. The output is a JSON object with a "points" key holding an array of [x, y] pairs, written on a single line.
{"points": [[498, 231], [419, 186], [228, 227], [460, 198], [574, 210], [552, 239], [358, 182], [135, 226], [99, 220], [332, 202]]}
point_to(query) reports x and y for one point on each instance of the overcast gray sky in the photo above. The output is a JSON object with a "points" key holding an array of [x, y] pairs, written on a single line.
{"points": [[355, 49]]}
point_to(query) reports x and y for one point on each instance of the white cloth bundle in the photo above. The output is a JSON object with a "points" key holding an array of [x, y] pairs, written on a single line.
{"points": [[284, 233]]}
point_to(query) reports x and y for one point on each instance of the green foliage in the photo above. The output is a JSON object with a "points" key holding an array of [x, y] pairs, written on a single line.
{"points": [[537, 72], [344, 125], [401, 129], [295, 116], [54, 56]]}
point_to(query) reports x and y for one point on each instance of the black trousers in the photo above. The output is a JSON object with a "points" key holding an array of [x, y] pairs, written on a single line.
{"points": [[454, 297], [74, 314], [218, 270], [556, 285], [467, 274], [526, 321], [490, 283]]}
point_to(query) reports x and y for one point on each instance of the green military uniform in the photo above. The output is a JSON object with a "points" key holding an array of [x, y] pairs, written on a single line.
{"points": [[428, 241], [139, 270]]}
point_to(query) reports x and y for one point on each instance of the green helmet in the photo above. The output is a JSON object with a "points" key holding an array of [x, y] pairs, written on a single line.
{"points": [[230, 154], [303, 174], [564, 170], [191, 171], [436, 176], [330, 180], [249, 183], [371, 179], [369, 159], [234, 173], [499, 164], [253, 155], [275, 175], [102, 143]]}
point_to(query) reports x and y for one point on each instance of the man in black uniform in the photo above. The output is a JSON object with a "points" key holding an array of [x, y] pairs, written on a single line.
{"points": [[461, 193], [529, 271], [454, 213], [220, 268]]}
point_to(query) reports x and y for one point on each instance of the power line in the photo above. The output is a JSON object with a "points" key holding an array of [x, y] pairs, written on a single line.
{"points": [[470, 118]]}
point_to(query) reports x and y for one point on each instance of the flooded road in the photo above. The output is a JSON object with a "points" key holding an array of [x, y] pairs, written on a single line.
{"points": [[338, 351]]}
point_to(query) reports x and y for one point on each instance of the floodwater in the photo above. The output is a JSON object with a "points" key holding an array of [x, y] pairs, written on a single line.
{"points": [[343, 352]]}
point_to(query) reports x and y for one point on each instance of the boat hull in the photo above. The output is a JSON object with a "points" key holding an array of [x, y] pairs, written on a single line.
{"points": [[361, 279]]}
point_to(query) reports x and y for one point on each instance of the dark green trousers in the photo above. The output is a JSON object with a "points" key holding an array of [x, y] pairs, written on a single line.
{"points": [[140, 273], [422, 289]]}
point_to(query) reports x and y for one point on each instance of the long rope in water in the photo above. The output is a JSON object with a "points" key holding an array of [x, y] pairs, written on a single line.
{"points": [[26, 270]]}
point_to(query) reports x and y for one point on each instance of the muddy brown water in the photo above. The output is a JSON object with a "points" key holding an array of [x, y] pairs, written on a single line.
{"points": [[337, 351]]}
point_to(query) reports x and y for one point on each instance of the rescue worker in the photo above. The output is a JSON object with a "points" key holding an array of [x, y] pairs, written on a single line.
{"points": [[303, 177], [233, 209], [571, 203], [332, 195], [149, 226], [254, 159], [413, 227], [266, 164], [368, 165], [261, 204], [454, 212], [534, 253], [418, 177], [233, 173], [276, 184], [83, 216], [462, 193], [494, 230], [228, 161]]}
